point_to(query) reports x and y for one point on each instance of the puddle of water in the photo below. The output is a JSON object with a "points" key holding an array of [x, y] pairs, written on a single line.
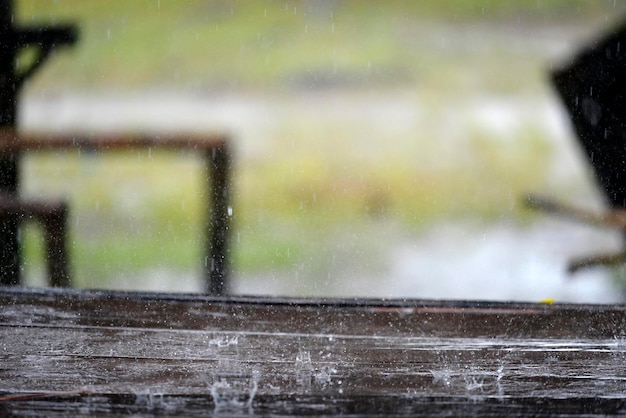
{"points": [[503, 262]]}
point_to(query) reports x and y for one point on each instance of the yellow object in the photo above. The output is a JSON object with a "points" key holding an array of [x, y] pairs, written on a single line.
{"points": [[548, 301]]}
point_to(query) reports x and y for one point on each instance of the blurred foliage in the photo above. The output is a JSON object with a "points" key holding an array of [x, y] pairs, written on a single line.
{"points": [[233, 44]]}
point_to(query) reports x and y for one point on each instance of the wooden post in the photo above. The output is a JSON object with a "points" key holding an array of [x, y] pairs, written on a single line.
{"points": [[218, 227], [55, 230], [9, 180], [12, 40]]}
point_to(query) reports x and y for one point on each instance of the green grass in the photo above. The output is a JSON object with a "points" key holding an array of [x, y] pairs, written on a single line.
{"points": [[202, 45], [131, 213]]}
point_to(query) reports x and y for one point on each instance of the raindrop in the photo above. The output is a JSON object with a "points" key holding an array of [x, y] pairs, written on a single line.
{"points": [[303, 360], [230, 211]]}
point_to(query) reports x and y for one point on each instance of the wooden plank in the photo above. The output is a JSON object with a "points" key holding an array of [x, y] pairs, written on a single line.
{"points": [[70, 351]]}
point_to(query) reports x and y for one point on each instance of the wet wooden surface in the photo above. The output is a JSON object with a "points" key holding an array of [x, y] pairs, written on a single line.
{"points": [[72, 352]]}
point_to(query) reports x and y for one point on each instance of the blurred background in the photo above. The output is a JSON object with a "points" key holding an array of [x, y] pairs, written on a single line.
{"points": [[382, 149]]}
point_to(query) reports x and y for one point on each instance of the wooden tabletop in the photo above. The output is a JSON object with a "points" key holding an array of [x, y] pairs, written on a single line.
{"points": [[77, 352]]}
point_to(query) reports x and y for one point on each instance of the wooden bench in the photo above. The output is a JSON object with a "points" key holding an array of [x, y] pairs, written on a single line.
{"points": [[69, 352], [53, 218], [214, 150]]}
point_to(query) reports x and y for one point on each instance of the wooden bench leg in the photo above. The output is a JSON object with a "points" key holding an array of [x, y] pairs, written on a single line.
{"points": [[55, 230], [218, 228], [11, 254]]}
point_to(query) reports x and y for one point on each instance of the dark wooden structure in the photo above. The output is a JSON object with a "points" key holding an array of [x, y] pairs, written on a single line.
{"points": [[12, 146], [593, 89], [75, 353], [213, 149], [13, 40]]}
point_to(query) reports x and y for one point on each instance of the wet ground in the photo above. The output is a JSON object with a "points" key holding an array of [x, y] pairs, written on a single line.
{"points": [[452, 260]]}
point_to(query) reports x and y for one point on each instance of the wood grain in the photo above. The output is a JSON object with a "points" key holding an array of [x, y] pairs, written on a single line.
{"points": [[87, 352]]}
